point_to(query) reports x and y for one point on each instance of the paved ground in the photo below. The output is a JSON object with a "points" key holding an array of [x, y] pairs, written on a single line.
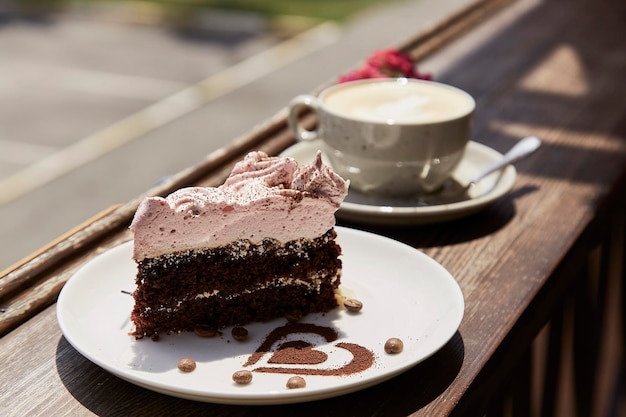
{"points": [[94, 111]]}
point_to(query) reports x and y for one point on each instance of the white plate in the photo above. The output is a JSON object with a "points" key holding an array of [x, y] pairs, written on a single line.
{"points": [[361, 208], [405, 294]]}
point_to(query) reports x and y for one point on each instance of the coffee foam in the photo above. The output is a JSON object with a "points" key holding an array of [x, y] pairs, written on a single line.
{"points": [[394, 102]]}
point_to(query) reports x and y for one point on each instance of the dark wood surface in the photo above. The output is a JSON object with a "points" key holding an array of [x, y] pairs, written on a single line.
{"points": [[554, 69]]}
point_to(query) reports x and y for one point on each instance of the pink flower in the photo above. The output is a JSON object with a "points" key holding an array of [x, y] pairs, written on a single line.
{"points": [[391, 61], [385, 63]]}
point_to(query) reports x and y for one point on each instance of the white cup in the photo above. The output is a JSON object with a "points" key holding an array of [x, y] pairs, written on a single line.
{"points": [[390, 136]]}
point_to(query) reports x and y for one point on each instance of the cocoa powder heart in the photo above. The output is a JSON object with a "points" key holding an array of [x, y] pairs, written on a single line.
{"points": [[297, 352]]}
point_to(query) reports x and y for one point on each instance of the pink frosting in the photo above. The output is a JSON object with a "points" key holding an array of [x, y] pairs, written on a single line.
{"points": [[263, 197]]}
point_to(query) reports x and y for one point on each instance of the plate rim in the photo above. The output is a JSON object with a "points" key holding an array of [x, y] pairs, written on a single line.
{"points": [[286, 397]]}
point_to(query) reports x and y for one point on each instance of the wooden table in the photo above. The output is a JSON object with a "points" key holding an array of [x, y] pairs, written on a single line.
{"points": [[541, 270]]}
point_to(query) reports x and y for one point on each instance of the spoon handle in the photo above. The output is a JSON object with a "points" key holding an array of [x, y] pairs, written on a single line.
{"points": [[521, 149]]}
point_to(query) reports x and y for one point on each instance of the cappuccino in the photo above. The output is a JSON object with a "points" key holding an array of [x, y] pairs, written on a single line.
{"points": [[394, 102], [395, 137]]}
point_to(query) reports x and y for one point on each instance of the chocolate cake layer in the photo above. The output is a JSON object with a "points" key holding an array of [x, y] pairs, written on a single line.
{"points": [[235, 284]]}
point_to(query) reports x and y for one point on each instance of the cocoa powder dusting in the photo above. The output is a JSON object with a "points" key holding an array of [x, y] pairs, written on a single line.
{"points": [[298, 352], [275, 335], [303, 353], [362, 360]]}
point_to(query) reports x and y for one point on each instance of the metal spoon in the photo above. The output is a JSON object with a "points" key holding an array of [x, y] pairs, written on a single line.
{"points": [[455, 192]]}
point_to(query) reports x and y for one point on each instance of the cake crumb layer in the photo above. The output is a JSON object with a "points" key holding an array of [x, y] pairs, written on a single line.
{"points": [[222, 287]]}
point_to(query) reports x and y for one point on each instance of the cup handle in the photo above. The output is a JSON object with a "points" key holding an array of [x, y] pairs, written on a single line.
{"points": [[300, 102]]}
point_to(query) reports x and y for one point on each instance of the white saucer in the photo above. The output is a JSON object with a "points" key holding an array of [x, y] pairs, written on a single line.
{"points": [[361, 208], [93, 313]]}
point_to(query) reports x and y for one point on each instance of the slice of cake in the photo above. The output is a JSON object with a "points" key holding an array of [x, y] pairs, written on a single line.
{"points": [[258, 247]]}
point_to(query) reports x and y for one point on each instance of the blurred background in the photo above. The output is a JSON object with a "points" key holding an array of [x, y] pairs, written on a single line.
{"points": [[101, 99]]}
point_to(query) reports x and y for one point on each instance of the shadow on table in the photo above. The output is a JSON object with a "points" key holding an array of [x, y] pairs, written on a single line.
{"points": [[104, 394]]}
